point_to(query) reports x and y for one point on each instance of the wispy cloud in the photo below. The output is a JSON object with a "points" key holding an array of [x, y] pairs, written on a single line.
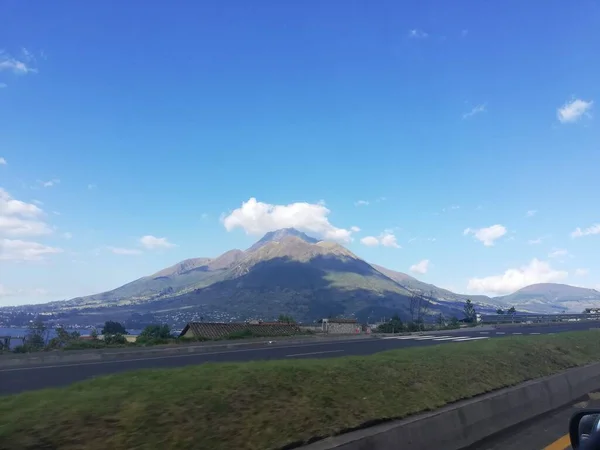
{"points": [[594, 229], [49, 183], [451, 208], [531, 213], [154, 243], [21, 65], [464, 32], [581, 272], [478, 109], [573, 110], [386, 239], [421, 267], [556, 253], [124, 251], [361, 203], [417, 34], [3, 85], [487, 235], [91, 186], [3, 162]]}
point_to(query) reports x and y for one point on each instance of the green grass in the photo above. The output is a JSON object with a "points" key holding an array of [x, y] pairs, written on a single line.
{"points": [[266, 405]]}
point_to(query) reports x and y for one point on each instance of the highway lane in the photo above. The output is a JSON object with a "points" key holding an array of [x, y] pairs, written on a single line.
{"points": [[547, 432], [28, 378]]}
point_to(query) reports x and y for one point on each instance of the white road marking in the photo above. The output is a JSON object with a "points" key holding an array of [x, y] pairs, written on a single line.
{"points": [[466, 338], [399, 337], [313, 353], [448, 338], [500, 332], [184, 355], [535, 333], [517, 333], [484, 332]]}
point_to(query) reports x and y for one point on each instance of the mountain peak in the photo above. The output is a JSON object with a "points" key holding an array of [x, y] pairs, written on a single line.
{"points": [[278, 235]]}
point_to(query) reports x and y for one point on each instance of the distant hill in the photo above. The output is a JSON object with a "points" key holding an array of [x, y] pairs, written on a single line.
{"points": [[552, 298], [289, 272]]}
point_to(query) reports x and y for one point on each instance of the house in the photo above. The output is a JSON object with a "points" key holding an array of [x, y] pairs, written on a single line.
{"points": [[341, 326], [212, 330]]}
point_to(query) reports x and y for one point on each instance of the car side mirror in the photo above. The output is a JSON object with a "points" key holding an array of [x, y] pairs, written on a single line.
{"points": [[584, 425]]}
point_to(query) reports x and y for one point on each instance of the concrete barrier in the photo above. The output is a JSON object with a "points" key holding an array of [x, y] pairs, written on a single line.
{"points": [[115, 354], [462, 424]]}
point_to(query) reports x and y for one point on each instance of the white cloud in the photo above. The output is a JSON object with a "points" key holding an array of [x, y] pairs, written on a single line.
{"points": [[259, 218], [572, 111], [5, 292], [594, 229], [3, 85], [354, 229], [16, 226], [478, 109], [557, 253], [535, 241], [487, 235], [18, 66], [421, 267], [514, 279], [451, 208], [417, 34], [531, 213], [3, 162], [386, 239], [124, 251], [581, 272], [67, 235], [50, 183], [154, 243], [18, 218], [17, 250], [9, 206], [91, 186], [370, 241], [361, 203], [464, 32]]}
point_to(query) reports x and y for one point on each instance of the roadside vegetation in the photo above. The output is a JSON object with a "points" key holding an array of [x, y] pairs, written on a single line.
{"points": [[274, 404], [114, 335]]}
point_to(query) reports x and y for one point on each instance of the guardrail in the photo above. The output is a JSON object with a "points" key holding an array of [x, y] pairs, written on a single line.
{"points": [[537, 318]]}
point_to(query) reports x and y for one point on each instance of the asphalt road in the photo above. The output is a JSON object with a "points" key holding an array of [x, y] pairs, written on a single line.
{"points": [[548, 432], [37, 377]]}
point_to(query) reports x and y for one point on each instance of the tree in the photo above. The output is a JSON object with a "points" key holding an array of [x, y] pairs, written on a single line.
{"points": [[441, 320], [111, 327], [512, 310], [394, 325], [469, 311], [418, 307], [94, 333], [500, 311], [112, 339], [283, 318], [454, 322], [63, 337], [36, 335], [155, 332]]}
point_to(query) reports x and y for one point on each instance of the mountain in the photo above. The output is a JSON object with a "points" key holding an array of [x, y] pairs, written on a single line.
{"points": [[550, 298], [278, 235], [289, 272], [437, 294]]}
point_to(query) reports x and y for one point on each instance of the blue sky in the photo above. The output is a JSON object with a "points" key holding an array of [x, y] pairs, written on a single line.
{"points": [[453, 120]]}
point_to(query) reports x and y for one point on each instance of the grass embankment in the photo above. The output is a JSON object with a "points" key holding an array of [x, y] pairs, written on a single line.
{"points": [[267, 405]]}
